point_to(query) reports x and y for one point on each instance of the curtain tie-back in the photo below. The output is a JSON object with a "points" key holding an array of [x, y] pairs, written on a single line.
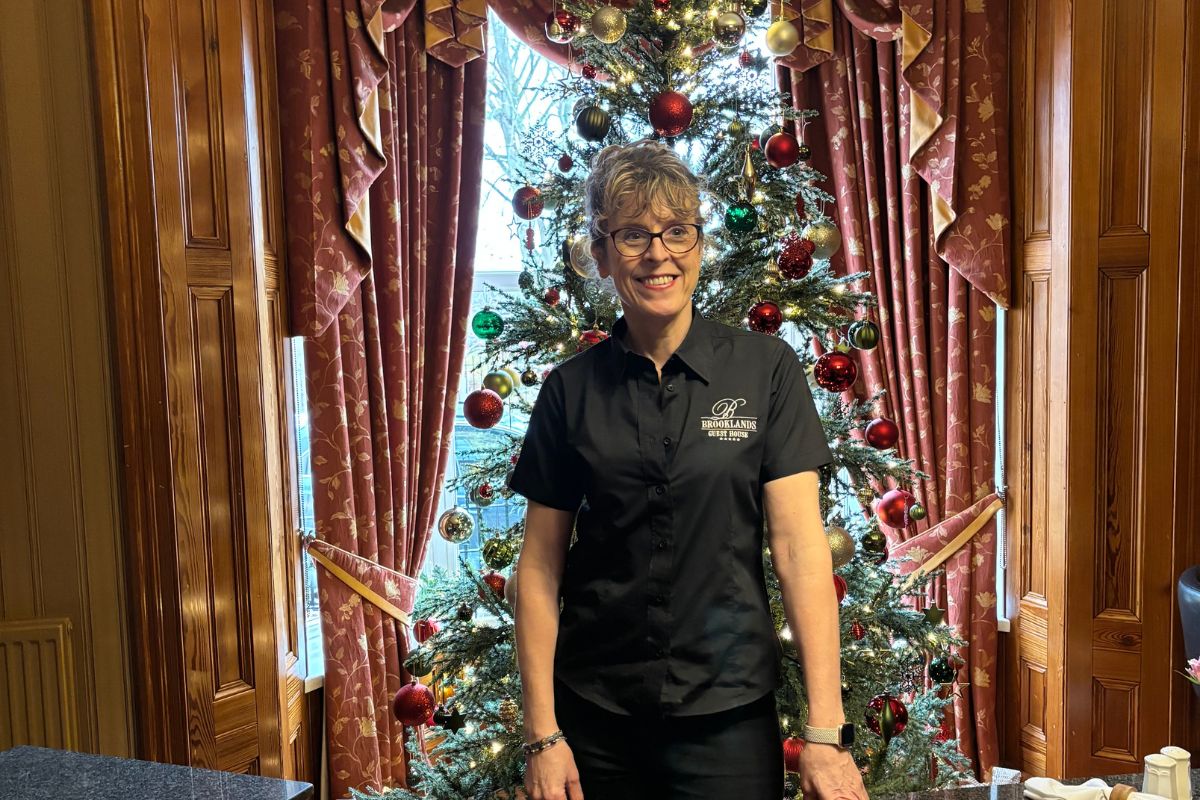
{"points": [[395, 593], [455, 30], [957, 543]]}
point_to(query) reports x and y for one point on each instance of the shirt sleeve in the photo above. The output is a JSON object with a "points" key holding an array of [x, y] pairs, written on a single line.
{"points": [[546, 471], [795, 439]]}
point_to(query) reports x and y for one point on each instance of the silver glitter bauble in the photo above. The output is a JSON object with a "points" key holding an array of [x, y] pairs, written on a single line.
{"points": [[608, 24], [728, 30], [825, 235], [782, 38], [455, 525]]}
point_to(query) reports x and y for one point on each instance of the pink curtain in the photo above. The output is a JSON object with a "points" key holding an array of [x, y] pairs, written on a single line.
{"points": [[382, 154], [912, 100]]}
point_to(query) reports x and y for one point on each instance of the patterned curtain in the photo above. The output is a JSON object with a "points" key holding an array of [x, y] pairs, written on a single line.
{"points": [[912, 99], [382, 156]]}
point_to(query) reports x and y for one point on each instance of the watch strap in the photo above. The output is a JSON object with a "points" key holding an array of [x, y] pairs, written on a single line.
{"points": [[823, 735]]}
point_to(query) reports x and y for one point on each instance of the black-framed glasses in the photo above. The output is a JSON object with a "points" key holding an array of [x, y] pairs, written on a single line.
{"points": [[678, 238]]}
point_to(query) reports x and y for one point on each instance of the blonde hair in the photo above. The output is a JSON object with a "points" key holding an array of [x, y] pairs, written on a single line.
{"points": [[635, 178]]}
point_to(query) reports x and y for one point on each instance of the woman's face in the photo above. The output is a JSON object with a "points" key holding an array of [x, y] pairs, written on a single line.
{"points": [[657, 284]]}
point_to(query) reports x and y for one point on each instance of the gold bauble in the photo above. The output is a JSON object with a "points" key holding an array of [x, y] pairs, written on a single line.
{"points": [[728, 29], [509, 713], [782, 38], [825, 235], [736, 128], [749, 176], [608, 24], [499, 382], [456, 525], [512, 371], [841, 545]]}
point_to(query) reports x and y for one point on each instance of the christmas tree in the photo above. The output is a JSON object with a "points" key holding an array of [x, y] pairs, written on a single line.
{"points": [[686, 73]]}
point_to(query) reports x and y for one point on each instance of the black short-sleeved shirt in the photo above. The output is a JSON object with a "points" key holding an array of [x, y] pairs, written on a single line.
{"points": [[665, 606]]}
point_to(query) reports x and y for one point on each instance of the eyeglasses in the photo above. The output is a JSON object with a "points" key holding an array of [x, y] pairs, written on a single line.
{"points": [[678, 238]]}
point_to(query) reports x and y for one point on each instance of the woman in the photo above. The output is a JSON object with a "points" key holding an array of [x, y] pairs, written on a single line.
{"points": [[664, 448]]}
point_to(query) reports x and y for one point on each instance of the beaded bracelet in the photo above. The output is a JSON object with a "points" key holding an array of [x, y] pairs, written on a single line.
{"points": [[532, 748]]}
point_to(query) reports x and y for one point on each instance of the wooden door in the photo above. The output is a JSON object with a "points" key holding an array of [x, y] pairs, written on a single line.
{"points": [[186, 90]]}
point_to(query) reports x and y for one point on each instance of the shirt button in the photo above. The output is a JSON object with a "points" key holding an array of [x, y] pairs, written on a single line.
{"points": [[667, 441], [661, 653], [660, 489], [661, 544], [670, 387], [660, 599]]}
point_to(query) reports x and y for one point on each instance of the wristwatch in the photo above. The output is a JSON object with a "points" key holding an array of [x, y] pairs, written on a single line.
{"points": [[842, 736]]}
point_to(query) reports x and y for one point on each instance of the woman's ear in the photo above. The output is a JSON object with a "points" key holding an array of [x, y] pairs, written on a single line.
{"points": [[598, 256]]}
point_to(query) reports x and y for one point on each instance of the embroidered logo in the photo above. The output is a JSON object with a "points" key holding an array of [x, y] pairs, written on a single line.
{"points": [[725, 422]]}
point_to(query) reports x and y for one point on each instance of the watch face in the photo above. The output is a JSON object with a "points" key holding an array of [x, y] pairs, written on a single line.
{"points": [[847, 734]]}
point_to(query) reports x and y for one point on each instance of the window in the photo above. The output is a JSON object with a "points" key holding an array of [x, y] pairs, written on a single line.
{"points": [[515, 109], [311, 639]]}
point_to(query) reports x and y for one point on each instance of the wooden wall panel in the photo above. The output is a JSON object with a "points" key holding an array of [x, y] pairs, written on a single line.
{"points": [[1101, 419], [61, 523]]}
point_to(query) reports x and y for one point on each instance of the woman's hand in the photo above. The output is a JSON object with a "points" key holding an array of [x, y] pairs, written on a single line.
{"points": [[829, 773], [552, 775]]}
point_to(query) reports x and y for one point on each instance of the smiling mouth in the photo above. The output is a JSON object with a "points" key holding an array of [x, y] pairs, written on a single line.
{"points": [[658, 281]]}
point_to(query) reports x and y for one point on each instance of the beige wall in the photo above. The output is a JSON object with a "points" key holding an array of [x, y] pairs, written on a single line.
{"points": [[64, 677]]}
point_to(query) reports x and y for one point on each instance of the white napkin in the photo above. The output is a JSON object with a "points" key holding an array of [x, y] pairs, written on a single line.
{"points": [[1050, 789]]}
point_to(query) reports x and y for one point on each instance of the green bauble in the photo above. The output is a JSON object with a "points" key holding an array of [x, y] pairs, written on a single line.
{"points": [[941, 670], [917, 512], [864, 335], [736, 128], [419, 662], [592, 123], [487, 324], [741, 217], [499, 382], [498, 553], [874, 543], [525, 280]]}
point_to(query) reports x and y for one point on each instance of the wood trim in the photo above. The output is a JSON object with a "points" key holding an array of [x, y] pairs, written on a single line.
{"points": [[148, 482]]}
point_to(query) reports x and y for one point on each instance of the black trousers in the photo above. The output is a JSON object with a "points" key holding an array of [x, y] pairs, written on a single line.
{"points": [[730, 755]]}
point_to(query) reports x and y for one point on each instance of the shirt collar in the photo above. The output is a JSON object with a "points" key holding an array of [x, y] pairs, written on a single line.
{"points": [[696, 350]]}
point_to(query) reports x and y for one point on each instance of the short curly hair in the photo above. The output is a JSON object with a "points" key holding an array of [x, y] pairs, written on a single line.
{"points": [[634, 178]]}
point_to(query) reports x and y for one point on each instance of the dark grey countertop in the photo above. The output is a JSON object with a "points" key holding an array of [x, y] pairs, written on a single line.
{"points": [[1016, 791], [35, 773]]}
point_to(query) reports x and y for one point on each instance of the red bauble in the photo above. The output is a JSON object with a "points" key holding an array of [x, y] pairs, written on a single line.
{"points": [[835, 372], [513, 459], [754, 144], [765, 317], [745, 59], [670, 113], [795, 260], [485, 491], [782, 150], [483, 408], [840, 587], [552, 296], [496, 582], [527, 202], [565, 162], [882, 433], [662, 5], [589, 338], [878, 721], [589, 72], [793, 746], [424, 629], [892, 508], [413, 704], [529, 239], [566, 20], [858, 631]]}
